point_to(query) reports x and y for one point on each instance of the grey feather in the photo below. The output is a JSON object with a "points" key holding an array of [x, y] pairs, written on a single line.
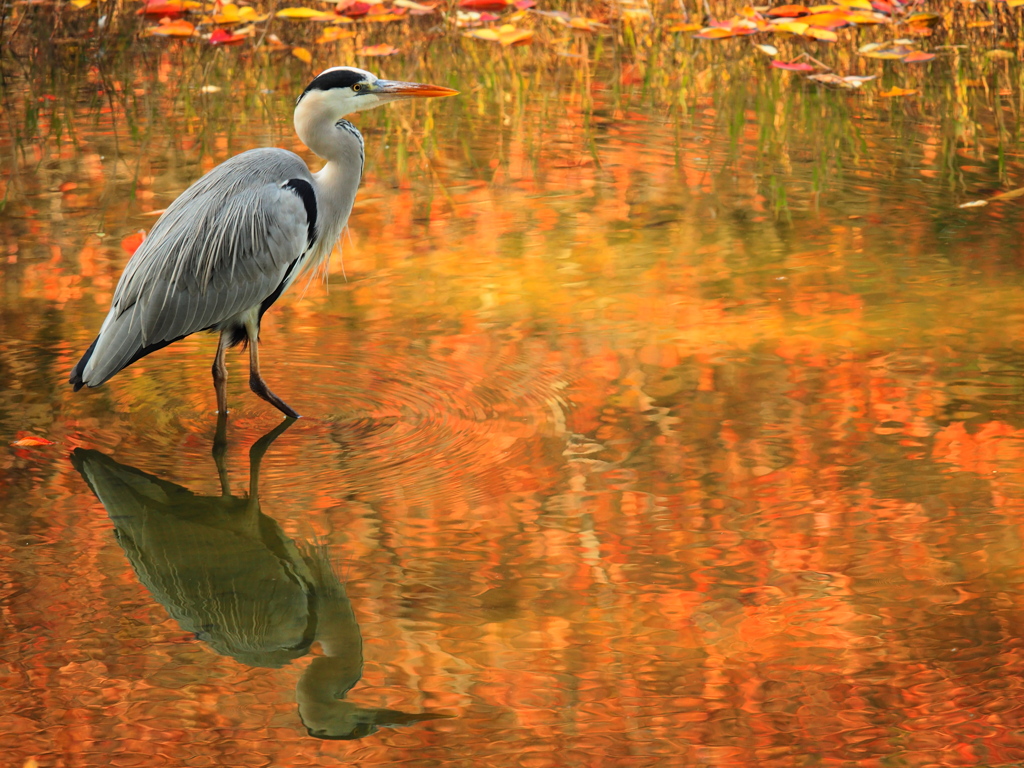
{"points": [[219, 250]]}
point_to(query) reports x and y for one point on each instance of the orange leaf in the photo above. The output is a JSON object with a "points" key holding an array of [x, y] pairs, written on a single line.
{"points": [[302, 54], [330, 34], [894, 91], [917, 57], [827, 20], [377, 50], [29, 441], [168, 28], [131, 243], [715, 33], [788, 10]]}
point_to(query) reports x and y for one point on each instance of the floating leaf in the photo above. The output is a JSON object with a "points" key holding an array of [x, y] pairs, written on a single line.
{"points": [[981, 24], [827, 20], [377, 50], [28, 441], [788, 11], [771, 50], [1011, 195], [163, 8], [331, 34], [505, 34], [850, 82], [353, 9], [222, 37], [861, 5], [302, 54], [715, 33], [306, 14], [918, 57], [895, 91], [974, 204], [585, 24], [999, 53], [821, 34], [523, 5], [794, 27], [172, 28], [414, 6], [204, 89], [793, 66], [233, 14], [923, 19], [80, 4], [879, 51], [484, 5], [131, 243]]}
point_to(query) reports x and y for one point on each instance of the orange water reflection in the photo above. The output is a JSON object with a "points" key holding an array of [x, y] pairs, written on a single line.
{"points": [[619, 463]]}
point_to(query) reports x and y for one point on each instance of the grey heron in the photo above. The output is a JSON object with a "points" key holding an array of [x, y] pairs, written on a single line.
{"points": [[227, 248]]}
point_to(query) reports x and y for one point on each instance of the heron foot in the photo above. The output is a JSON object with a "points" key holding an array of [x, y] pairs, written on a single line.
{"points": [[261, 390]]}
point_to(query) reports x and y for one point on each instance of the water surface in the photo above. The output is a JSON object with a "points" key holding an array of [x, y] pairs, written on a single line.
{"points": [[665, 420]]}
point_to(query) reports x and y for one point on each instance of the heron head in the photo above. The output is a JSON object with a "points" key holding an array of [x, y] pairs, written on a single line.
{"points": [[344, 90]]}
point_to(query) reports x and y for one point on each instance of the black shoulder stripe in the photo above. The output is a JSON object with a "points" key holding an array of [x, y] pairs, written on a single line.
{"points": [[304, 190]]}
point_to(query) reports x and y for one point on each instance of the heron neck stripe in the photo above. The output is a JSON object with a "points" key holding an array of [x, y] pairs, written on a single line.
{"points": [[304, 190]]}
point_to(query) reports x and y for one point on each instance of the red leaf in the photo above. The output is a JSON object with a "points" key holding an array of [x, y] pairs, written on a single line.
{"points": [[169, 8], [522, 5], [484, 5], [793, 66], [353, 9]]}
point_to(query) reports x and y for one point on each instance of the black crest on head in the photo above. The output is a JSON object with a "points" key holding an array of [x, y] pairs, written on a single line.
{"points": [[334, 78]]}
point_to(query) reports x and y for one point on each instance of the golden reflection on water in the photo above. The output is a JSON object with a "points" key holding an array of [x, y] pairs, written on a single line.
{"points": [[622, 459]]}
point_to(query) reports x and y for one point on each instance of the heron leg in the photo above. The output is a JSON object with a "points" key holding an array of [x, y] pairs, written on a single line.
{"points": [[220, 372], [256, 382], [220, 450]]}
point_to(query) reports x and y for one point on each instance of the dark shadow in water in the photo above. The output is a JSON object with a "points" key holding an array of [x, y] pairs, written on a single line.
{"points": [[227, 573]]}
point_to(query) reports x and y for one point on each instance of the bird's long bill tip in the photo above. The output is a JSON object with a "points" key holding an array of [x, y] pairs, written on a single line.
{"points": [[411, 90]]}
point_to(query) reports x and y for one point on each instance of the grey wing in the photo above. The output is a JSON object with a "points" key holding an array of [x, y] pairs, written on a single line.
{"points": [[225, 245]]}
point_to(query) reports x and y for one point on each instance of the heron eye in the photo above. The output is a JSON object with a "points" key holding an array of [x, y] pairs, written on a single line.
{"points": [[357, 87]]}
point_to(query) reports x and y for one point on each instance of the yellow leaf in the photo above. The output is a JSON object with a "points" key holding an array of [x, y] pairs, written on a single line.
{"points": [[80, 4], [863, 17], [330, 34], [1014, 3], [821, 34], [1012, 194], [506, 35], [302, 54], [894, 91], [380, 17], [794, 27], [861, 5], [306, 14]]}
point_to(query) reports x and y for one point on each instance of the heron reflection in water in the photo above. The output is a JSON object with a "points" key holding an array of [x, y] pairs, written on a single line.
{"points": [[228, 573]]}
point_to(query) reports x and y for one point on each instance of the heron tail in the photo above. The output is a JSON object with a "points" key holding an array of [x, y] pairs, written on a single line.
{"points": [[75, 380]]}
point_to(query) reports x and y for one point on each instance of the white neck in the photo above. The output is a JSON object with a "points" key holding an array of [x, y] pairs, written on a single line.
{"points": [[320, 124]]}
